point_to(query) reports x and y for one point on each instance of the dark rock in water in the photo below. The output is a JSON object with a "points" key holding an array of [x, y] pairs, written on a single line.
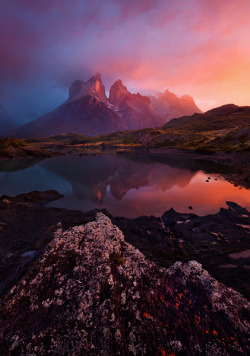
{"points": [[92, 293], [210, 239], [171, 217], [237, 208], [34, 197], [25, 226]]}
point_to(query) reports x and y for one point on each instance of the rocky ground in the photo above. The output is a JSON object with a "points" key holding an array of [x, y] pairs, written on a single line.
{"points": [[212, 240], [27, 226], [236, 168], [11, 148], [90, 292]]}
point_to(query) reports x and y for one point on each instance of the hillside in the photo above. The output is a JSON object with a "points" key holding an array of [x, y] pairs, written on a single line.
{"points": [[226, 128]]}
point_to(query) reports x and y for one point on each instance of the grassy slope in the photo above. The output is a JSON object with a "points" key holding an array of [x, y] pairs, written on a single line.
{"points": [[223, 129], [20, 148]]}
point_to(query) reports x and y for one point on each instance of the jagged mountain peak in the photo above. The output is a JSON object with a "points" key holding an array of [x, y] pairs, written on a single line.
{"points": [[75, 88], [92, 87], [169, 105], [95, 78], [118, 92], [118, 83], [88, 111], [187, 97]]}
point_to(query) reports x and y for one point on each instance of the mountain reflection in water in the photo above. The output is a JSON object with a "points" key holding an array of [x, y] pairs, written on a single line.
{"points": [[127, 185]]}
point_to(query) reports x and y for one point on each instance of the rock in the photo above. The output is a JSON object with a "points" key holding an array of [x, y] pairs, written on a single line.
{"points": [[170, 106], [93, 87], [27, 225], [86, 111], [92, 293], [34, 197], [135, 109], [212, 236]]}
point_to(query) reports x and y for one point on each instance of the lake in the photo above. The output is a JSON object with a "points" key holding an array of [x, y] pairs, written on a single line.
{"points": [[126, 185]]}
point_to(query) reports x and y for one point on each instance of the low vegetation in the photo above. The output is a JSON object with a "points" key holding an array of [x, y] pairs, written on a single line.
{"points": [[224, 129]]}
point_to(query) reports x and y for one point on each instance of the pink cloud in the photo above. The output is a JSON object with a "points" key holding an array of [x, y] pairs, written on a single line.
{"points": [[198, 47]]}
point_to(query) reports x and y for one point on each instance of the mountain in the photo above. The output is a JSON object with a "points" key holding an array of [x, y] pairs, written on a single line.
{"points": [[88, 111], [226, 128], [85, 112], [6, 122], [135, 109], [170, 106], [93, 87]]}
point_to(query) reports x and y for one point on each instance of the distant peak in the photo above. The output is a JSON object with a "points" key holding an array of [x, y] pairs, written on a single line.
{"points": [[77, 82], [118, 84], [75, 88], [168, 93], [92, 87], [223, 110], [118, 92], [187, 98], [95, 78]]}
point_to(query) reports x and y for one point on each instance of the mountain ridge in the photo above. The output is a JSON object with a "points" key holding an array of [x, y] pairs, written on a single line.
{"points": [[88, 111]]}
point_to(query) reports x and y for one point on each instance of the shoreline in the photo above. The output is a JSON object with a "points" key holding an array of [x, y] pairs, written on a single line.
{"points": [[239, 162], [207, 239]]}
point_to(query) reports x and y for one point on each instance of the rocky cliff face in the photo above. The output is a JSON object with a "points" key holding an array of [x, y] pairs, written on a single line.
{"points": [[93, 87], [118, 92], [85, 115], [135, 109], [170, 106], [84, 112], [92, 293], [88, 111]]}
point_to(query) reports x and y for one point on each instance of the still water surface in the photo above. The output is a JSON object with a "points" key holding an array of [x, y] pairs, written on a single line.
{"points": [[125, 185]]}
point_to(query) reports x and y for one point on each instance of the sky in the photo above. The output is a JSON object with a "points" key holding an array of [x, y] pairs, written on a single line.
{"points": [[195, 47]]}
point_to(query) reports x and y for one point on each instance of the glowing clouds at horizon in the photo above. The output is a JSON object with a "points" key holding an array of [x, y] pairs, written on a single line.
{"points": [[189, 47]]}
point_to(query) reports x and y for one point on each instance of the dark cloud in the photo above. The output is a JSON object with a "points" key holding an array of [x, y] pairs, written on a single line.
{"points": [[156, 44]]}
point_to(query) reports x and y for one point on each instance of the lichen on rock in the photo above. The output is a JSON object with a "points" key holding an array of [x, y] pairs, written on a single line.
{"points": [[91, 293]]}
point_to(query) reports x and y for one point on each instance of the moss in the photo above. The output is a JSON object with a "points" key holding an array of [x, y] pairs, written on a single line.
{"points": [[11, 142]]}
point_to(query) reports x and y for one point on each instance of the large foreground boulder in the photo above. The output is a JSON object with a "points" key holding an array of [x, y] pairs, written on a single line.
{"points": [[91, 293]]}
